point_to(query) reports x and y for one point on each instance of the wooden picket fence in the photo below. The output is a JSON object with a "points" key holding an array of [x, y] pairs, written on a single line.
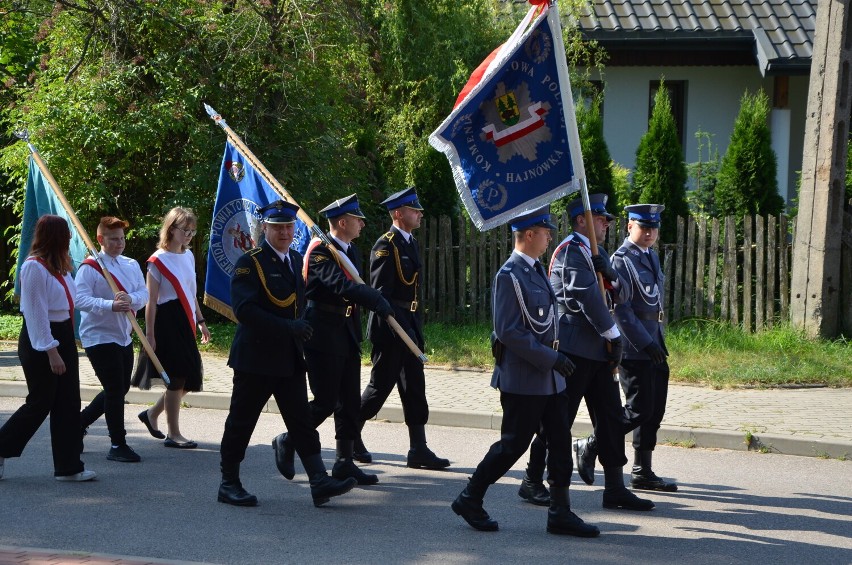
{"points": [[713, 270]]}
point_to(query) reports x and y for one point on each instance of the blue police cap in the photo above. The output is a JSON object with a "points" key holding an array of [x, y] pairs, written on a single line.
{"points": [[647, 215], [279, 212], [535, 219], [597, 203], [346, 205], [405, 197]]}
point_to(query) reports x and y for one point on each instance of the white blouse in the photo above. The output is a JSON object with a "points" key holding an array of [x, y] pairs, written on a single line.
{"points": [[43, 300], [182, 266]]}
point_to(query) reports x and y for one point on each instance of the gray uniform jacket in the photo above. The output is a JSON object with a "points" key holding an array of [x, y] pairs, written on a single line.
{"points": [[527, 328], [584, 313], [638, 317]]}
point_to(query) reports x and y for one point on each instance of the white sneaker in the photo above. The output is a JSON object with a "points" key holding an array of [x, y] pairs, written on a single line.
{"points": [[2, 464], [78, 477]]}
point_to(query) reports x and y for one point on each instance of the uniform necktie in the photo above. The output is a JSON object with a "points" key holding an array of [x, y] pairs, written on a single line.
{"points": [[540, 270]]}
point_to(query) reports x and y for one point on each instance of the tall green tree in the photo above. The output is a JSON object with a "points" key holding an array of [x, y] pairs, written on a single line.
{"points": [[748, 176], [596, 157], [660, 173]]}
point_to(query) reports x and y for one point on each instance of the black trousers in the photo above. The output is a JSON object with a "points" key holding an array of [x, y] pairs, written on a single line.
{"points": [[251, 392], [646, 390], [48, 394], [395, 365], [593, 381], [113, 365], [523, 417], [336, 385]]}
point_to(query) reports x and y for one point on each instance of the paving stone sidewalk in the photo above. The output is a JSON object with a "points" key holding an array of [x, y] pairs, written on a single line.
{"points": [[802, 421]]}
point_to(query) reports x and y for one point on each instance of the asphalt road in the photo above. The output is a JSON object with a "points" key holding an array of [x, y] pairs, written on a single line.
{"points": [[733, 507]]}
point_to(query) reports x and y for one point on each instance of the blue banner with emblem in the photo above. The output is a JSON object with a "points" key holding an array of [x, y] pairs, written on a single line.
{"points": [[512, 138], [236, 226]]}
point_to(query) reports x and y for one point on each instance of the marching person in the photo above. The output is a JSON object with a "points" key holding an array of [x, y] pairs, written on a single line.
{"points": [[645, 372], [268, 297], [395, 272], [333, 353], [105, 330], [48, 354], [530, 374], [171, 317], [589, 336]]}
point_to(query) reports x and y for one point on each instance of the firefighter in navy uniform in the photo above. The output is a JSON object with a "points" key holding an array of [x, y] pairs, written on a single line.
{"points": [[267, 296], [395, 272], [645, 372], [333, 353]]}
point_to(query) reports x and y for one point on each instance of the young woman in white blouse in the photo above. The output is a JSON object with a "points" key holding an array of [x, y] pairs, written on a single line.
{"points": [[171, 318], [48, 354]]}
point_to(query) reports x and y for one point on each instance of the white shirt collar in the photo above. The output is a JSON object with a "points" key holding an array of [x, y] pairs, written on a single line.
{"points": [[345, 246], [405, 234], [530, 261]]}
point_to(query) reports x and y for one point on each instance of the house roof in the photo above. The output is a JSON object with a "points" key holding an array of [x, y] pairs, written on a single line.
{"points": [[777, 35]]}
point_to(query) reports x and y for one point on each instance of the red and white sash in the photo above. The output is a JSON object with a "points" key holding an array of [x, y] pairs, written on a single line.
{"points": [[157, 260], [62, 282]]}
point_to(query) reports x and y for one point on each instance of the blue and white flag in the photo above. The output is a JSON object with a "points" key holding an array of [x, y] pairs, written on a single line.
{"points": [[512, 138], [40, 199], [237, 225]]}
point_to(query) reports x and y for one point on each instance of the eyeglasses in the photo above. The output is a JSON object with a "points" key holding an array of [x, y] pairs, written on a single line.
{"points": [[188, 232]]}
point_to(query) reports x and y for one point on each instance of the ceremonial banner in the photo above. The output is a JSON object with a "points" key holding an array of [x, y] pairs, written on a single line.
{"points": [[236, 225], [40, 200], [512, 138]]}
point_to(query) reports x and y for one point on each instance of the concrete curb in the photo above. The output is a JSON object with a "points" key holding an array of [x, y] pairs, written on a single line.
{"points": [[673, 435]]}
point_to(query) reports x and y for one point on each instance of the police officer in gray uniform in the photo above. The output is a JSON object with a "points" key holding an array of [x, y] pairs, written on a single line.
{"points": [[645, 372], [530, 373]]}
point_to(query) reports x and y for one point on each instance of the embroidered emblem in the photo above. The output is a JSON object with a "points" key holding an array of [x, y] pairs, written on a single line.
{"points": [[241, 271], [319, 258], [382, 253], [634, 252], [540, 311]]}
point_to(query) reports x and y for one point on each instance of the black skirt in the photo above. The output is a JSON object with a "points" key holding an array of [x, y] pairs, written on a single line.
{"points": [[176, 350]]}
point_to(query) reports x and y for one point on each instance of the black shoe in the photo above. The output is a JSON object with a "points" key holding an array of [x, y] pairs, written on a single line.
{"points": [[534, 492], [284, 456], [563, 522], [123, 454], [360, 453], [651, 482], [84, 434], [625, 500], [232, 492], [345, 468], [143, 417], [422, 457], [585, 452], [473, 513], [323, 488]]}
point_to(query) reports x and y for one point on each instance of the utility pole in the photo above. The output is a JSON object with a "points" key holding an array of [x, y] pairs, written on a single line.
{"points": [[816, 285]]}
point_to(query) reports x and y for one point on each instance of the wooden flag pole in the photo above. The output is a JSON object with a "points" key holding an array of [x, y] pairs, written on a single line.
{"points": [[315, 230], [93, 251]]}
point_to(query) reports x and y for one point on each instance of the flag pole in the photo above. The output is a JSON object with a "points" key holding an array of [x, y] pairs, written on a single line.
{"points": [[315, 230], [24, 135]]}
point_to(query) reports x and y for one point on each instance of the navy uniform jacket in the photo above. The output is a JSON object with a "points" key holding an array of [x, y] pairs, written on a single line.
{"points": [[329, 285], [263, 297], [585, 315], [638, 317], [395, 272], [526, 366]]}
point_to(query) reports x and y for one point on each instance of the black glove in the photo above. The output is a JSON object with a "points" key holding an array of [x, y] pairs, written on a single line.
{"points": [[383, 308], [299, 329], [564, 366], [603, 266], [656, 353], [614, 351]]}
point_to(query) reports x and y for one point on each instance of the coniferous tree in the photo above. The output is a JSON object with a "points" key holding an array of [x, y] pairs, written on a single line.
{"points": [[747, 178], [660, 175], [596, 158]]}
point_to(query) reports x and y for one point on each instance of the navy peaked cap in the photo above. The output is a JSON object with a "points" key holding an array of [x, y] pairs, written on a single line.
{"points": [[279, 212], [597, 203], [346, 205], [405, 197]]}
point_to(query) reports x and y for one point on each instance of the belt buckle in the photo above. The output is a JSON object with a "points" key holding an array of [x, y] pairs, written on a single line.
{"points": [[556, 345], [413, 307], [660, 317], [348, 311]]}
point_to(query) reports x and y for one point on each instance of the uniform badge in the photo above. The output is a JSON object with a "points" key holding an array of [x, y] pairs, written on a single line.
{"points": [[382, 253], [540, 312], [634, 252], [648, 289], [320, 258], [241, 271]]}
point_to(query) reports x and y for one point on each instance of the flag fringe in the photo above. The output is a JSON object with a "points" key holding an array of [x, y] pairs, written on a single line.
{"points": [[218, 306]]}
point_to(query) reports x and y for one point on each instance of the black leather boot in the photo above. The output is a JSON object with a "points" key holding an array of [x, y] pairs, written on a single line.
{"points": [[585, 452], [284, 456], [534, 492], [231, 491], [560, 519], [643, 478], [468, 505], [420, 456], [615, 496], [344, 467], [532, 487], [359, 451], [323, 487]]}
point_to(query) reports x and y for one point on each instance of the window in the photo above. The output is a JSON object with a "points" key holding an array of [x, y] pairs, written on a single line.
{"points": [[677, 96]]}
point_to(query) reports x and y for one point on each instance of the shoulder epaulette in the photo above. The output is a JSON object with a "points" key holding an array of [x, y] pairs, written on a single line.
{"points": [[254, 251], [389, 236]]}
